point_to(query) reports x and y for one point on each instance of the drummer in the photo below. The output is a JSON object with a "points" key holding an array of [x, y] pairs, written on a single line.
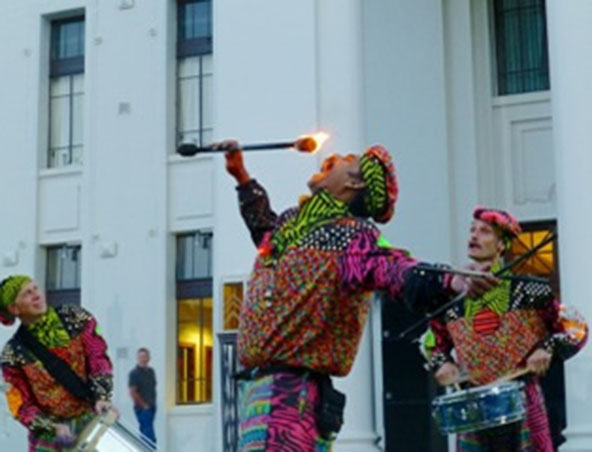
{"points": [[53, 409], [516, 324]]}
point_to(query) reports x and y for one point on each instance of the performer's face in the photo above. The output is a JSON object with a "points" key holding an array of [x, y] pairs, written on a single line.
{"points": [[30, 302], [340, 176], [484, 242]]}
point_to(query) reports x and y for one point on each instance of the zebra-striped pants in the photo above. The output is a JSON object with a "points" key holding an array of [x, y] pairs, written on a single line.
{"points": [[277, 414]]}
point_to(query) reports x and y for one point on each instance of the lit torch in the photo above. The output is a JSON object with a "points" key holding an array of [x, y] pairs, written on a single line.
{"points": [[306, 143]]}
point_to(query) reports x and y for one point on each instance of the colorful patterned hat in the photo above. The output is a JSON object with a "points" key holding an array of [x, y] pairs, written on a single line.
{"points": [[503, 220], [9, 289], [378, 172]]}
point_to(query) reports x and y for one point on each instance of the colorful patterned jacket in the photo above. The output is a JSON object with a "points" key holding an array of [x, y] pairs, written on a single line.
{"points": [[308, 295], [494, 335], [35, 398]]}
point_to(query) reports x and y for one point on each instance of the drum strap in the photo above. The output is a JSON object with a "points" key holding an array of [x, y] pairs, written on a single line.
{"points": [[57, 368]]}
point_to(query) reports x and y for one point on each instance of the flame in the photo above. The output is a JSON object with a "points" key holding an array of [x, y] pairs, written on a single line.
{"points": [[320, 138], [311, 143]]}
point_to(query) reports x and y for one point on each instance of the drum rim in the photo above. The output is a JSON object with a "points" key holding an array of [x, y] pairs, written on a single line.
{"points": [[480, 391]]}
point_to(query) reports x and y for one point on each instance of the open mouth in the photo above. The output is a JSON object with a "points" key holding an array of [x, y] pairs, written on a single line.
{"points": [[329, 163]]}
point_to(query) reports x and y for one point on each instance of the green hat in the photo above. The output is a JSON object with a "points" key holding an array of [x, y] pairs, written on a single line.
{"points": [[9, 290], [378, 172]]}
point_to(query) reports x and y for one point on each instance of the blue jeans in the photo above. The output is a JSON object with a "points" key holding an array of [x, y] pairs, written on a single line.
{"points": [[146, 420]]}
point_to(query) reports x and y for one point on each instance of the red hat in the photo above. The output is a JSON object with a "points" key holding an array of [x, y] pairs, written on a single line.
{"points": [[503, 220]]}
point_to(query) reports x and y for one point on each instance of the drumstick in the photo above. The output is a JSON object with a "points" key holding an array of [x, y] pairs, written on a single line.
{"points": [[513, 375], [481, 274]]}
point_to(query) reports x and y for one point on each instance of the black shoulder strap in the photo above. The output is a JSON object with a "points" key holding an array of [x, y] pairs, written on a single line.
{"points": [[56, 367]]}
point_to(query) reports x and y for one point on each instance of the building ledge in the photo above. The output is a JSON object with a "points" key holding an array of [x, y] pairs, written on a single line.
{"points": [[192, 410], [176, 159], [521, 99], [47, 173]]}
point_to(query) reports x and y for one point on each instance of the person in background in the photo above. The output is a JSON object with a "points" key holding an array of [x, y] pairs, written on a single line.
{"points": [[142, 387]]}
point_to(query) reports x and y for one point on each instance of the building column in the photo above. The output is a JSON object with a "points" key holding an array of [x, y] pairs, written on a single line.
{"points": [[340, 112], [570, 47]]}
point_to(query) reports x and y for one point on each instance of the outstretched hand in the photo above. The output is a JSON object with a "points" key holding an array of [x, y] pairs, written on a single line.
{"points": [[474, 286], [234, 160]]}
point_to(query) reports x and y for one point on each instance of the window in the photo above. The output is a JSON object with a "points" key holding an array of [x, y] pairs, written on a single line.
{"points": [[545, 261], [66, 92], [195, 334], [194, 72], [195, 28], [521, 46], [233, 296], [62, 281]]}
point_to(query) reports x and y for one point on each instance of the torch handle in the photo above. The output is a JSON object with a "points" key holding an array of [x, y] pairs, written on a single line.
{"points": [[189, 149]]}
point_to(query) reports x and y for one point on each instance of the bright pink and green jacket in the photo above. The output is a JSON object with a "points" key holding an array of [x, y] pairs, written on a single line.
{"points": [[34, 397], [308, 296]]}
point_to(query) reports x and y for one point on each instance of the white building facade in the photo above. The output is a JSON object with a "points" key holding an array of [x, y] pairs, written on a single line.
{"points": [[97, 94]]}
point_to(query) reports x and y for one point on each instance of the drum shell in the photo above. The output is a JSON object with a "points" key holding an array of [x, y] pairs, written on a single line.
{"points": [[105, 434], [480, 408]]}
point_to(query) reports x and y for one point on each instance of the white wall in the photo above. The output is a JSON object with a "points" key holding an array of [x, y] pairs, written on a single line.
{"points": [[569, 39], [406, 111]]}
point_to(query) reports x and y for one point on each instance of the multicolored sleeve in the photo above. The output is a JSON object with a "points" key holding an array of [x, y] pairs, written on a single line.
{"points": [[21, 401], [436, 345], [370, 262], [256, 210], [100, 369], [568, 330]]}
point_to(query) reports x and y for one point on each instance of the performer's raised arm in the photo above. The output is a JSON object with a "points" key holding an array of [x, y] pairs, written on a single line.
{"points": [[253, 200]]}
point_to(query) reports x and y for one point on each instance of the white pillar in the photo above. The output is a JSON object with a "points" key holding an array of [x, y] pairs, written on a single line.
{"points": [[340, 109], [570, 46], [340, 73]]}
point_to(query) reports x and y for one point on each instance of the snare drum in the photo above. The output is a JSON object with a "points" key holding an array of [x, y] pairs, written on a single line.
{"points": [[479, 408], [105, 434]]}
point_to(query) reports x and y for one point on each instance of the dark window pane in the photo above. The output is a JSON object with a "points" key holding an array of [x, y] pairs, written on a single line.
{"points": [[194, 27], [194, 256], [63, 268], [521, 46], [67, 47]]}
